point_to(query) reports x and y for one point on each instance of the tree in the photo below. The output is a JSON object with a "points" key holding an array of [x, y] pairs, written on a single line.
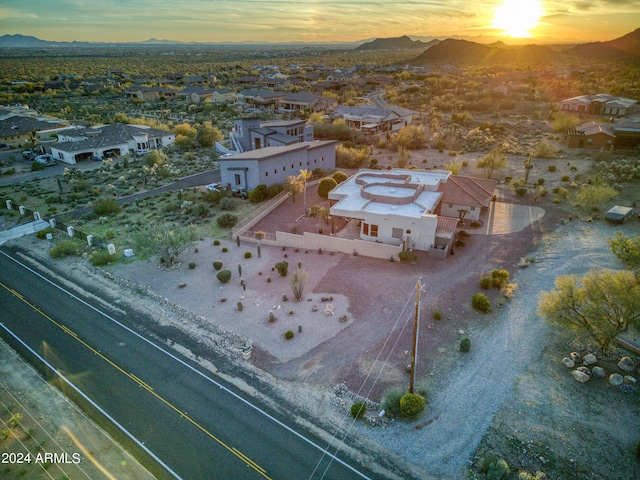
{"points": [[627, 249], [325, 186], [167, 241], [453, 166], [294, 184], [492, 161], [594, 196], [155, 157], [602, 304], [207, 135], [304, 176], [340, 177]]}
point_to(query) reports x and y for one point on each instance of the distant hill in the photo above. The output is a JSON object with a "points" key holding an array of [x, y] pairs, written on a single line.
{"points": [[627, 46], [22, 41], [463, 51], [395, 43]]}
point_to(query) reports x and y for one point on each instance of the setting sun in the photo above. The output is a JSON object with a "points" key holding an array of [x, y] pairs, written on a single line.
{"points": [[517, 17]]}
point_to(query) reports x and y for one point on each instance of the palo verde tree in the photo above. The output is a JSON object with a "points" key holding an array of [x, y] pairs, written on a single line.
{"points": [[167, 241], [601, 304], [627, 249], [492, 161], [294, 184]]}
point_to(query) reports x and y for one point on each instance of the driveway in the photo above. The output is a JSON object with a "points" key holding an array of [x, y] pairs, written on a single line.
{"points": [[503, 218]]}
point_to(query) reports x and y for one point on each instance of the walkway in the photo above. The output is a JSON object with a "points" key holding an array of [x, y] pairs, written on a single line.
{"points": [[22, 230]]}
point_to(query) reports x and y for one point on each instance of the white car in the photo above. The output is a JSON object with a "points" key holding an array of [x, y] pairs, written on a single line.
{"points": [[47, 160], [215, 186]]}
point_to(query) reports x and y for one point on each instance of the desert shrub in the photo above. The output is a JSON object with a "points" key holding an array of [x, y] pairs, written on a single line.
{"points": [[464, 233], [325, 186], [42, 234], [475, 224], [411, 405], [288, 335], [508, 290], [437, 315], [339, 177], [521, 191], [529, 476], [216, 242], [638, 451], [225, 249], [258, 194], [499, 277], [541, 181], [403, 256], [391, 400], [36, 167], [101, 258], [480, 302], [217, 264], [106, 206], [497, 469], [465, 344], [566, 178], [224, 276], [65, 248], [247, 254], [228, 203], [358, 409], [508, 179], [460, 243], [227, 220], [551, 168], [486, 283], [282, 268], [192, 265]]}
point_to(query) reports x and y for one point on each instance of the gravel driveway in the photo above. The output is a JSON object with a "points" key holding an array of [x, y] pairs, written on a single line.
{"points": [[465, 399]]}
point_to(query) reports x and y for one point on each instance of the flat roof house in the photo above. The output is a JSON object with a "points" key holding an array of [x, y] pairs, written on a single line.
{"points": [[269, 165], [252, 134], [370, 118]]}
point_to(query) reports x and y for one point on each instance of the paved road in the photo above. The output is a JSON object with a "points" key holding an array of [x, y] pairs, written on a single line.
{"points": [[197, 425]]}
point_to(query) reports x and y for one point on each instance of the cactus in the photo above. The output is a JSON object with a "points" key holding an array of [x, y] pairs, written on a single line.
{"points": [[258, 250], [240, 306], [238, 240], [240, 270], [272, 316]]}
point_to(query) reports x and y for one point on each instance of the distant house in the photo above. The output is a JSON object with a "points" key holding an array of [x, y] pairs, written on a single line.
{"points": [[600, 104], [150, 94], [627, 134], [294, 102], [373, 119], [592, 135], [16, 129], [252, 134], [108, 141], [261, 98], [197, 94], [269, 165]]}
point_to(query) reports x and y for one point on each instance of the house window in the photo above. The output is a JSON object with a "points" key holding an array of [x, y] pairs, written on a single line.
{"points": [[275, 170], [292, 166], [396, 232], [473, 209], [266, 174], [284, 168], [451, 205], [365, 228], [237, 177], [374, 230]]}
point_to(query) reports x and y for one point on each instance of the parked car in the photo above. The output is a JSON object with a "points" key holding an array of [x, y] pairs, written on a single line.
{"points": [[215, 186], [240, 192], [29, 155], [47, 160]]}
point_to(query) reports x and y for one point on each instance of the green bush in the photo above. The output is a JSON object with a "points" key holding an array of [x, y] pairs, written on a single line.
{"points": [[358, 409], [259, 194], [486, 283], [36, 167], [225, 249], [288, 335], [566, 178], [106, 206], [192, 265], [499, 278], [282, 268], [521, 191], [227, 220], [339, 177], [325, 186], [101, 258], [42, 234], [216, 242], [551, 168], [223, 276], [437, 315], [65, 248], [480, 302], [391, 400], [228, 203], [475, 224], [217, 264], [497, 469], [411, 405], [465, 344], [247, 254]]}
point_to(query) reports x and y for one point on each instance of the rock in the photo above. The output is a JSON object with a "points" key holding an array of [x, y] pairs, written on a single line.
{"points": [[567, 362], [629, 379], [575, 356], [626, 364], [589, 359], [597, 372], [580, 376], [615, 379], [583, 369]]}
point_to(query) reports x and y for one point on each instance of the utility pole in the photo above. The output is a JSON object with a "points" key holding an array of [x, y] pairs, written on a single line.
{"points": [[416, 326]]}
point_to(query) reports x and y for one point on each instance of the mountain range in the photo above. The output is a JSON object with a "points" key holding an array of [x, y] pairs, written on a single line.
{"points": [[395, 43]]}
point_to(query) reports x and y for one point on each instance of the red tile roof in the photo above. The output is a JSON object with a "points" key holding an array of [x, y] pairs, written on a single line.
{"points": [[446, 224], [468, 191]]}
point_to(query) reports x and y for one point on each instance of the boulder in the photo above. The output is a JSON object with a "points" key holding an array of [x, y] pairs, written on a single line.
{"points": [[583, 369], [615, 379], [597, 372], [580, 376], [589, 359], [567, 362], [629, 379], [575, 356], [626, 364]]}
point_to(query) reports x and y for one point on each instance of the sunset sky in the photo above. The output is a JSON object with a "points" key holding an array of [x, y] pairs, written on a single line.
{"points": [[318, 20]]}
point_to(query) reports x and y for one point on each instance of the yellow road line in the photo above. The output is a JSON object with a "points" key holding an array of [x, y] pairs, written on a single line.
{"points": [[146, 386]]}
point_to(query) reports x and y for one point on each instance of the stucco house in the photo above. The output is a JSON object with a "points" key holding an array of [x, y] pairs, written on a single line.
{"points": [[252, 134], [600, 104], [400, 207], [370, 118], [261, 98], [150, 94], [294, 102], [269, 165], [466, 194], [197, 94], [592, 135], [17, 129], [108, 141]]}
